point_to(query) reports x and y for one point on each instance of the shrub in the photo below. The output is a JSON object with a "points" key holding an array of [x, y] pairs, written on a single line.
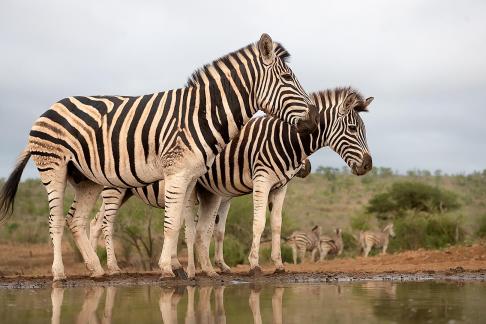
{"points": [[415, 231], [481, 232], [414, 196], [361, 222]]}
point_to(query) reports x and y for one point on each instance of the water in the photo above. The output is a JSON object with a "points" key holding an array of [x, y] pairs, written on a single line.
{"points": [[374, 302]]}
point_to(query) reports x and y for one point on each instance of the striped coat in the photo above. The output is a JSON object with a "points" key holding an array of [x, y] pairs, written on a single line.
{"points": [[370, 239]]}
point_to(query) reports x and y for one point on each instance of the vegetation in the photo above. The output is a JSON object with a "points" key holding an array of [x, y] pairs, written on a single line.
{"points": [[429, 209]]}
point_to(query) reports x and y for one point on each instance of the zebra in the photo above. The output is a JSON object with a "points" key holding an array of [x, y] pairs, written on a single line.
{"points": [[300, 242], [370, 239], [268, 155], [331, 244], [127, 142]]}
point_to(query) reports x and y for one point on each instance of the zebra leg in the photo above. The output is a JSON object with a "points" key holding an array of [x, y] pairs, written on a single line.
{"points": [[313, 255], [190, 222], [208, 207], [219, 231], [112, 201], [367, 250], [85, 194], [55, 183], [275, 205], [261, 190], [294, 253], [178, 188], [95, 227], [385, 247], [323, 253], [302, 255]]}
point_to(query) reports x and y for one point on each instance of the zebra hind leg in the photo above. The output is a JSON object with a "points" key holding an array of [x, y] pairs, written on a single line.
{"points": [[176, 188], [112, 201], [276, 200], [85, 194], [54, 180], [219, 231]]}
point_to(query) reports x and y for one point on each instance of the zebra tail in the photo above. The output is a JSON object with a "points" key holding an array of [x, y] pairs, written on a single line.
{"points": [[9, 189]]}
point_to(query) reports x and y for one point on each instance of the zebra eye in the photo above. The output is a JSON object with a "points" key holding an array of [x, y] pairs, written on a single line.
{"points": [[287, 77], [353, 128]]}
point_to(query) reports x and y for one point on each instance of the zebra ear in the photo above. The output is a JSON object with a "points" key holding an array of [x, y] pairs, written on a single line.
{"points": [[348, 104], [267, 51], [368, 101]]}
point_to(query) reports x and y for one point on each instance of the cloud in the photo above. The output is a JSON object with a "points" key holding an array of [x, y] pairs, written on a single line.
{"points": [[422, 61]]}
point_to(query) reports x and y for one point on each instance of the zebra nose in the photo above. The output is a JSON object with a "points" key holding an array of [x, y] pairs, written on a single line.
{"points": [[367, 162]]}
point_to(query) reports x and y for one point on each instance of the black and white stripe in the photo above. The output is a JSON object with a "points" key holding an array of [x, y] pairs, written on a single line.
{"points": [[126, 142], [331, 244], [301, 242]]}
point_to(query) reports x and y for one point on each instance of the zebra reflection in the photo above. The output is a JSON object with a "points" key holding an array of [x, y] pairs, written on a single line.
{"points": [[254, 302], [87, 314]]}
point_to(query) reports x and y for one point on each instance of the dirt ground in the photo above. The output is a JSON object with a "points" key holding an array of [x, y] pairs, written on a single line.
{"points": [[29, 266]]}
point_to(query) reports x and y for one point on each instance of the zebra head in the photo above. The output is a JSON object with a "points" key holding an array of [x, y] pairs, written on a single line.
{"points": [[347, 133], [389, 228], [278, 92]]}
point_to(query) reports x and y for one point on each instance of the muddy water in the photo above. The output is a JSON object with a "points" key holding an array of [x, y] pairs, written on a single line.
{"points": [[353, 302]]}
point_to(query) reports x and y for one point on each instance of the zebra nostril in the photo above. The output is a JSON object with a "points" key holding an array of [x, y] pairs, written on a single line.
{"points": [[367, 162]]}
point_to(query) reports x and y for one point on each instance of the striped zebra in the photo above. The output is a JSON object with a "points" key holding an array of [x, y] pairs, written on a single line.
{"points": [[370, 239], [126, 142], [269, 154], [332, 244], [301, 242]]}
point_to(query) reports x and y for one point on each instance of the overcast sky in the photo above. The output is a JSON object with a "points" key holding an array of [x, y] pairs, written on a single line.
{"points": [[423, 61]]}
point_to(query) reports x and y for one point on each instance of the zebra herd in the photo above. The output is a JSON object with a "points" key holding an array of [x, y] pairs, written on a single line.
{"points": [[193, 146]]}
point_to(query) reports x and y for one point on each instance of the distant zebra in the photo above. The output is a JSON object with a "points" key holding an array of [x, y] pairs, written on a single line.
{"points": [[126, 142], [268, 154], [332, 244], [370, 239], [301, 242]]}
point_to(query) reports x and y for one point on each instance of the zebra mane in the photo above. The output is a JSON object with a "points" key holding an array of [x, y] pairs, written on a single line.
{"points": [[341, 92], [198, 74]]}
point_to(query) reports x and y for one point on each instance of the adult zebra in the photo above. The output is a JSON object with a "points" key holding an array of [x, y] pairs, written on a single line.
{"points": [[268, 154], [173, 135]]}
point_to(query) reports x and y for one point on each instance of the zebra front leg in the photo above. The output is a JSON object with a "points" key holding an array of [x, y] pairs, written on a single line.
{"points": [[366, 251], [85, 194], [385, 247], [313, 255], [323, 253], [261, 190], [276, 200], [190, 231], [176, 196], [55, 183], [220, 225], [208, 206]]}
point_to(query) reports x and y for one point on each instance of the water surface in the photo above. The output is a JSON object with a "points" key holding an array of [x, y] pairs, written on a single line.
{"points": [[374, 302]]}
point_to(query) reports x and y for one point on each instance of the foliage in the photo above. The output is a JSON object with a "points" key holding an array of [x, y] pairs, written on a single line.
{"points": [[481, 232], [413, 196], [415, 231], [361, 222]]}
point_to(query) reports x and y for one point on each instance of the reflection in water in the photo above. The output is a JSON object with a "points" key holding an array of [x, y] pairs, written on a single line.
{"points": [[399, 302]]}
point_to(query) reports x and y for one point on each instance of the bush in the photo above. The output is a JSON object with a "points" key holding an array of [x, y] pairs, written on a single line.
{"points": [[361, 222], [412, 196], [431, 232], [481, 232]]}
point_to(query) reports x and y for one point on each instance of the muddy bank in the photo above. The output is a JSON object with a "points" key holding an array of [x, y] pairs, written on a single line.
{"points": [[133, 279]]}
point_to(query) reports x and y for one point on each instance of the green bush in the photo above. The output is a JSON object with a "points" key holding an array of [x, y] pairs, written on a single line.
{"points": [[415, 231], [361, 222], [481, 232], [414, 196]]}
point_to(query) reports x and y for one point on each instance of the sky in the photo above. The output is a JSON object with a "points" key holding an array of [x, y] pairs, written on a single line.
{"points": [[424, 62]]}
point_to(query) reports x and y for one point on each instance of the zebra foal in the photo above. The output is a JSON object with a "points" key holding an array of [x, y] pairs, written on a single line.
{"points": [[370, 239]]}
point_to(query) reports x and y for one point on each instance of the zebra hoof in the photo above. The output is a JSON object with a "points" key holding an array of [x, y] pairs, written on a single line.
{"points": [[166, 274], [279, 271], [180, 273], [256, 272]]}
